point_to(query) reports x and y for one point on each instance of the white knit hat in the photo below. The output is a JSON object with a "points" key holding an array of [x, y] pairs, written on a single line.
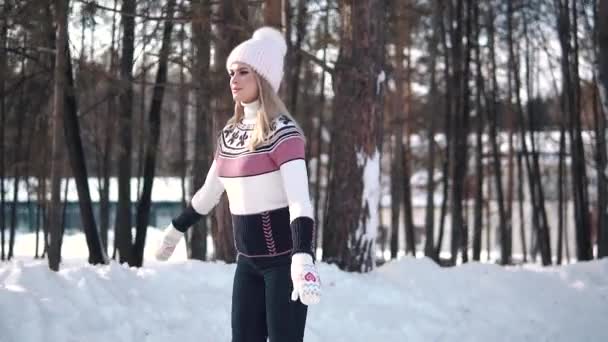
{"points": [[264, 52]]}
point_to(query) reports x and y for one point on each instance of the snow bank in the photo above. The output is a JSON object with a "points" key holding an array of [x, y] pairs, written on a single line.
{"points": [[407, 300]]}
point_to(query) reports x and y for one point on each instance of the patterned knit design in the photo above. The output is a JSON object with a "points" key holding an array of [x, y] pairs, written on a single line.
{"points": [[263, 235], [234, 159], [267, 228]]}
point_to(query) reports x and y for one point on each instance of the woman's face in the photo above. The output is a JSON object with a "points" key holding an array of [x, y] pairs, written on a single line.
{"points": [[242, 83]]}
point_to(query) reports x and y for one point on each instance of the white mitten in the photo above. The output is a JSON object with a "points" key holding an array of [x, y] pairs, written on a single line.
{"points": [[305, 278], [167, 245]]}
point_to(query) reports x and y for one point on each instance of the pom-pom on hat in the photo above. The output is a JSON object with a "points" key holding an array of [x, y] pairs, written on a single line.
{"points": [[264, 52]]}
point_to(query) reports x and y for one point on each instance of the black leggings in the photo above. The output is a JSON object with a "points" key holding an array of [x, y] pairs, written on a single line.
{"points": [[261, 302]]}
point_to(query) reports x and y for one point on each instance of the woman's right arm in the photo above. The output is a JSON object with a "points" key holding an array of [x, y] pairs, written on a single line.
{"points": [[202, 202]]}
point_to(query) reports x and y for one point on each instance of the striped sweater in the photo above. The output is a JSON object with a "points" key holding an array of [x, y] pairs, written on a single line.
{"points": [[267, 189]]}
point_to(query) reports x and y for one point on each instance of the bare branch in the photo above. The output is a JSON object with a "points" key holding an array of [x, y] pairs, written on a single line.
{"points": [[317, 61]]}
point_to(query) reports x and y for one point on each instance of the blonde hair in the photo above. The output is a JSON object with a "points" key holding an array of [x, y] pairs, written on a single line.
{"points": [[271, 107]]}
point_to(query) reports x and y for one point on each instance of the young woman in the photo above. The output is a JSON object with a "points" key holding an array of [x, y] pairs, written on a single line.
{"points": [[259, 162]]}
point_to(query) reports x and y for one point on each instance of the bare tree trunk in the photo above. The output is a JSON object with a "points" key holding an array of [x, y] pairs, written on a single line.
{"points": [[520, 197], [17, 170], [145, 201], [39, 216], [64, 208], [583, 182], [571, 92], [319, 137], [460, 128], [488, 219], [397, 154], [429, 221], [408, 212], [568, 196], [354, 195], [448, 133], [284, 92], [232, 17], [79, 169], [106, 150], [183, 113], [201, 30], [92, 35], [397, 164], [560, 192], [57, 146], [537, 196], [183, 100], [296, 55], [493, 121], [141, 121], [479, 169], [122, 227], [41, 193], [530, 112], [602, 85], [273, 13], [3, 75]]}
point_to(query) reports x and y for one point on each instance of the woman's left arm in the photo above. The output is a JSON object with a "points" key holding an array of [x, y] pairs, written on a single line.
{"points": [[289, 155], [295, 183]]}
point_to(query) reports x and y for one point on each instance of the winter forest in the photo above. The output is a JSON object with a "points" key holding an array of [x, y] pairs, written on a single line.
{"points": [[443, 137]]}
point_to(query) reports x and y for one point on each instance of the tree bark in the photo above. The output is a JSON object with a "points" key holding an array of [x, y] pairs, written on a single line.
{"points": [[3, 76], [272, 13], [602, 66], [458, 154], [122, 227], [479, 169], [201, 30], [141, 121], [319, 137], [355, 190], [183, 99], [405, 97], [397, 154], [560, 192], [295, 54], [448, 135], [145, 201], [79, 169], [572, 109], [493, 121], [429, 220], [521, 199], [17, 169], [397, 164], [57, 146], [106, 150], [232, 18], [534, 177]]}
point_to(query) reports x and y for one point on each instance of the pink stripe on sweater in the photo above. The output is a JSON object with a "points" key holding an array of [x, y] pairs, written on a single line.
{"points": [[289, 149], [258, 163], [245, 165]]}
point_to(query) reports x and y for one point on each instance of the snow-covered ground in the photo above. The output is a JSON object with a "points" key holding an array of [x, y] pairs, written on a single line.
{"points": [[407, 300]]}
